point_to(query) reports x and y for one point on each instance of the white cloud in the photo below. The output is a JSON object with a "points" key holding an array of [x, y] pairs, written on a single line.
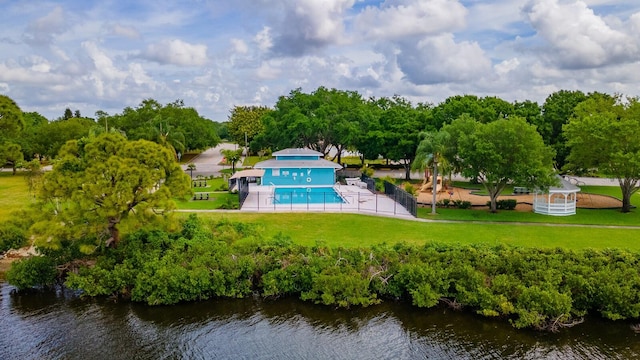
{"points": [[263, 39], [239, 46], [306, 26], [578, 38], [177, 52], [396, 19], [267, 71], [42, 30], [31, 75], [440, 59], [126, 31], [507, 66]]}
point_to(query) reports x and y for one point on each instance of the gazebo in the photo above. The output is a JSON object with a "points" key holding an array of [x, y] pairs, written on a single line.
{"points": [[557, 201]]}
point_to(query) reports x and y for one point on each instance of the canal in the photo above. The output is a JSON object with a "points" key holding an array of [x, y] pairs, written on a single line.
{"points": [[59, 325]]}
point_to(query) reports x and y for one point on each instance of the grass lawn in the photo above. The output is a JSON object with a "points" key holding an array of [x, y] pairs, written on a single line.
{"points": [[215, 184], [352, 230], [252, 160], [216, 201], [14, 193]]}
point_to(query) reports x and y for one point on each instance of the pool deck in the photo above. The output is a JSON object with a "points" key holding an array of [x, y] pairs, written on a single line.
{"points": [[357, 200]]}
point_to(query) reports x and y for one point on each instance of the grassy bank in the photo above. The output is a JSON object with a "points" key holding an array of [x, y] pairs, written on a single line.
{"points": [[353, 230], [14, 193]]}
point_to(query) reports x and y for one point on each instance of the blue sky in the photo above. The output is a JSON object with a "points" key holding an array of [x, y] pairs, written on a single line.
{"points": [[106, 55]]}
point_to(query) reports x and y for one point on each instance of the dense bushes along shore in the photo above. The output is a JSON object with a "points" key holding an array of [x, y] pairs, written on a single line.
{"points": [[540, 288]]}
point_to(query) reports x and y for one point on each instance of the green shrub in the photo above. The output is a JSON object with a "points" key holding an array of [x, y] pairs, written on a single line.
{"points": [[505, 204], [409, 188], [11, 237], [32, 272], [464, 204], [367, 171], [538, 288]]}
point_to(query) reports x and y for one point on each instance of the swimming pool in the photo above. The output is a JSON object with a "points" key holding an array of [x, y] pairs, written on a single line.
{"points": [[307, 195]]}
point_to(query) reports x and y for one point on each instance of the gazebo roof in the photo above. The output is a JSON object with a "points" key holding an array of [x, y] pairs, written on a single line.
{"points": [[565, 187]]}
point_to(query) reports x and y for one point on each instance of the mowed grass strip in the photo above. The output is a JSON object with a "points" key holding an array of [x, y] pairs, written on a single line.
{"points": [[14, 193], [354, 230]]}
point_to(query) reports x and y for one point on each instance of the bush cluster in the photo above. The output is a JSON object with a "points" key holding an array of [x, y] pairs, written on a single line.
{"points": [[539, 288], [11, 237], [505, 204], [460, 204]]}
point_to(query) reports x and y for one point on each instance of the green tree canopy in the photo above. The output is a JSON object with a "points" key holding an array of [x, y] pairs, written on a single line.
{"points": [[11, 119], [556, 111], [322, 120], [245, 122], [603, 134], [431, 152], [52, 136], [98, 183], [31, 137], [10, 153], [178, 127], [399, 126], [232, 157], [484, 110], [502, 152]]}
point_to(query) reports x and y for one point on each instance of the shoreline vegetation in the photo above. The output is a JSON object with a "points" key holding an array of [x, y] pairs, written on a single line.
{"points": [[542, 288], [533, 274]]}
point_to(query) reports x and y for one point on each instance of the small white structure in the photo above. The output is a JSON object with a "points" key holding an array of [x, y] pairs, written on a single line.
{"points": [[557, 201], [356, 182]]}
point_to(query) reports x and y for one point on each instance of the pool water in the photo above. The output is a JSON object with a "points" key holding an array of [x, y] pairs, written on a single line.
{"points": [[307, 195]]}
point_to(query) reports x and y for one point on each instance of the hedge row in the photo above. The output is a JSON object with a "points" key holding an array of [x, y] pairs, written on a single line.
{"points": [[540, 288]]}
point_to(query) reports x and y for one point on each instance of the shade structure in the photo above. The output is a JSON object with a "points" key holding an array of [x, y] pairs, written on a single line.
{"points": [[557, 200]]}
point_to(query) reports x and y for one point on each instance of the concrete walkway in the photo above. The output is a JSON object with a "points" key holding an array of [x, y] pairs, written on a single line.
{"points": [[207, 162]]}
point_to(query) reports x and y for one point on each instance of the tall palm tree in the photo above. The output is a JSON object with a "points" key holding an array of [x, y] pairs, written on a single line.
{"points": [[431, 152]]}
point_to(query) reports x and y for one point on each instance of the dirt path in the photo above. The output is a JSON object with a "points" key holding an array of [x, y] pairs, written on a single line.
{"points": [[525, 201]]}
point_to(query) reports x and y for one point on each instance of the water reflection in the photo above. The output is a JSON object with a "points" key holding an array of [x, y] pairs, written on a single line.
{"points": [[58, 325]]}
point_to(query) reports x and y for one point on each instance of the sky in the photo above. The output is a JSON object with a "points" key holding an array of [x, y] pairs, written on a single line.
{"points": [[216, 54]]}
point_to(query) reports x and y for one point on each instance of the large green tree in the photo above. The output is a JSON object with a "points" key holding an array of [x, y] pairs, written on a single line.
{"points": [[556, 111], [11, 118], [399, 125], [603, 134], [99, 183], [323, 120], [32, 137], [431, 152], [174, 125], [11, 153], [502, 152], [53, 135], [245, 122], [484, 110]]}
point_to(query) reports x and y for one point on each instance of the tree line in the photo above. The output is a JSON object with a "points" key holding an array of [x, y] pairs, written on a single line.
{"points": [[488, 139], [25, 136]]}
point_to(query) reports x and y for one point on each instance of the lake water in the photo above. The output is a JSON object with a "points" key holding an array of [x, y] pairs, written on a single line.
{"points": [[58, 325]]}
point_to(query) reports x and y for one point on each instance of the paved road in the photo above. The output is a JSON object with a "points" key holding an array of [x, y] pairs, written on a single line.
{"points": [[207, 162]]}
